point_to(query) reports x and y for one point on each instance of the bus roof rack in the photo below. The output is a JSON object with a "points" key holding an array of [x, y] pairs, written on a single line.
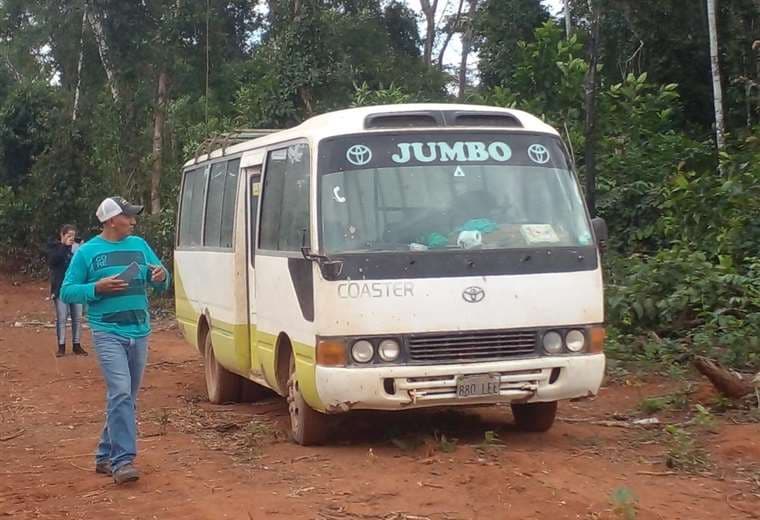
{"points": [[225, 139]]}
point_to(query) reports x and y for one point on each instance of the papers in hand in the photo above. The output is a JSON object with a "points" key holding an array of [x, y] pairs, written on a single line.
{"points": [[130, 273]]}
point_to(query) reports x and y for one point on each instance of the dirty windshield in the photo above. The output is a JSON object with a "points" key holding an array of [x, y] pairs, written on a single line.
{"points": [[420, 192]]}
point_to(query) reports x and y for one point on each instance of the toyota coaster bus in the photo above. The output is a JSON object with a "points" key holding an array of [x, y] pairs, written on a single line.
{"points": [[391, 258]]}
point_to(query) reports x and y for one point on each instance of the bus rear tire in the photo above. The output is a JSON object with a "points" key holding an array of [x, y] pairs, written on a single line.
{"points": [[534, 417], [222, 385], [308, 427]]}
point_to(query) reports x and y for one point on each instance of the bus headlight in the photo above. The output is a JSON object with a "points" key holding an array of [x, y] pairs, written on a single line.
{"points": [[552, 342], [362, 351], [389, 350], [575, 340]]}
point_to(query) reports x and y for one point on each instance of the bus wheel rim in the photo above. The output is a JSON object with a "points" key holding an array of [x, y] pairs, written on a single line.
{"points": [[293, 403]]}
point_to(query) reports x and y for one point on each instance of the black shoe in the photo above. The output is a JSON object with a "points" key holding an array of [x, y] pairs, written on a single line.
{"points": [[104, 467], [79, 351], [61, 351], [126, 473]]}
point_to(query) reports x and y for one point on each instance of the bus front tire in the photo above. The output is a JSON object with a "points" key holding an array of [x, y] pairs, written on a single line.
{"points": [[222, 385], [308, 427], [534, 417]]}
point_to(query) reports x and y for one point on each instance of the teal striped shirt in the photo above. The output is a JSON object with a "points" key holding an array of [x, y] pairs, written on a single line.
{"points": [[124, 313]]}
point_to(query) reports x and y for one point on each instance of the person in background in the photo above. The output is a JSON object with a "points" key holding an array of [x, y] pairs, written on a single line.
{"points": [[60, 252], [112, 273]]}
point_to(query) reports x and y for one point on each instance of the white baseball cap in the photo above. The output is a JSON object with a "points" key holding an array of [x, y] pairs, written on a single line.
{"points": [[113, 206]]}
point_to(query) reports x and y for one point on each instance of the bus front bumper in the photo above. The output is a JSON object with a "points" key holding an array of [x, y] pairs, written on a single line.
{"points": [[402, 387]]}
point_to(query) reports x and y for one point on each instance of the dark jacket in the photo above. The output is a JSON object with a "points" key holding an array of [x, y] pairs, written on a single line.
{"points": [[59, 258]]}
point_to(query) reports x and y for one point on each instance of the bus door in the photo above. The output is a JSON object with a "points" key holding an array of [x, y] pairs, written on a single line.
{"points": [[284, 281], [251, 166]]}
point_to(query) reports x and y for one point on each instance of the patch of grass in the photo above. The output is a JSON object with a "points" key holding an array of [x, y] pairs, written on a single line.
{"points": [[676, 401], [704, 419], [676, 371], [684, 452], [445, 444], [489, 443], [680, 400], [408, 443], [652, 405], [722, 404], [624, 504], [490, 438]]}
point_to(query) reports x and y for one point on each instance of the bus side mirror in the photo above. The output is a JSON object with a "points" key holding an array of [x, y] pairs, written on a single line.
{"points": [[331, 270], [600, 230]]}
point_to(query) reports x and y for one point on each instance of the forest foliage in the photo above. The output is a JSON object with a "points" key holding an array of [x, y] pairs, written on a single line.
{"points": [[102, 96]]}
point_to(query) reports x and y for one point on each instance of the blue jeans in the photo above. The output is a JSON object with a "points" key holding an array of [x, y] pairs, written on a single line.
{"points": [[122, 361], [62, 312]]}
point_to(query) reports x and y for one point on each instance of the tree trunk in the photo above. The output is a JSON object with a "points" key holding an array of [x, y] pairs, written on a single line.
{"points": [[720, 129], [724, 381], [79, 64], [568, 22], [304, 93], [429, 10], [590, 91], [96, 23], [453, 27], [158, 140], [466, 47]]}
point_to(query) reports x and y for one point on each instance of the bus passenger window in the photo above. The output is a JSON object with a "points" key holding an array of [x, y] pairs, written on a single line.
{"points": [[214, 204], [228, 204], [191, 216]]}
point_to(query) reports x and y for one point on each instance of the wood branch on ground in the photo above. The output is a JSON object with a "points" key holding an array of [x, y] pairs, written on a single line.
{"points": [[725, 381]]}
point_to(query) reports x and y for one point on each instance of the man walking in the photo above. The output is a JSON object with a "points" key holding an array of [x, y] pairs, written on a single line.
{"points": [[111, 273]]}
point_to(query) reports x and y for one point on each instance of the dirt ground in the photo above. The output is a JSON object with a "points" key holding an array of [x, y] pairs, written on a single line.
{"points": [[201, 461]]}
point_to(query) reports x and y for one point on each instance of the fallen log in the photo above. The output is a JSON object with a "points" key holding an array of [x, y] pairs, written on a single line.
{"points": [[726, 382]]}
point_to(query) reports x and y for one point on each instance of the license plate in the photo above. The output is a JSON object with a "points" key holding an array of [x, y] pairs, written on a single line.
{"points": [[477, 385]]}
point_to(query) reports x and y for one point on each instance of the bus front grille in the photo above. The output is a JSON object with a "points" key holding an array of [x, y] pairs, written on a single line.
{"points": [[464, 347]]}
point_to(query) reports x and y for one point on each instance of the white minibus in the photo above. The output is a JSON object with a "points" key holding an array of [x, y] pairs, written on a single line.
{"points": [[391, 258]]}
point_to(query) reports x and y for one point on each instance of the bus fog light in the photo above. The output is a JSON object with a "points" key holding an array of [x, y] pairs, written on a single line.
{"points": [[389, 350], [362, 351], [575, 341], [552, 342]]}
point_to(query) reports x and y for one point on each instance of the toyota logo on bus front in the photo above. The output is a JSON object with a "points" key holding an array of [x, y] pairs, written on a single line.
{"points": [[359, 155], [473, 294]]}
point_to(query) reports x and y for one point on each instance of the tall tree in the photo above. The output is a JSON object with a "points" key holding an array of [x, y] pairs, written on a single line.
{"points": [[467, 42], [720, 129], [429, 10], [96, 19], [499, 26], [452, 26], [591, 87], [80, 61], [158, 142]]}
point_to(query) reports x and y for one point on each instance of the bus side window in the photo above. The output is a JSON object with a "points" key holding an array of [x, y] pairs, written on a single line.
{"points": [[228, 204], [211, 231], [285, 203], [191, 211]]}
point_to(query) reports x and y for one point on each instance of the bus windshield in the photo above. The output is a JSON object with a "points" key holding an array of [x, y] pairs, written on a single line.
{"points": [[415, 192]]}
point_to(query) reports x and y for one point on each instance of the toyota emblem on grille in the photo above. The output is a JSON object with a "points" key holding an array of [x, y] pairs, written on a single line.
{"points": [[473, 294]]}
